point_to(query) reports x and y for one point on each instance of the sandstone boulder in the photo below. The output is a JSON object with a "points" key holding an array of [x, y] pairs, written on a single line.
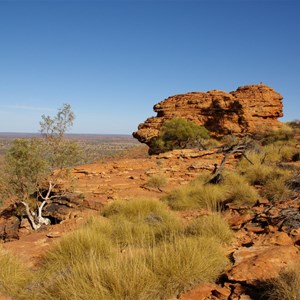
{"points": [[260, 263], [9, 229], [245, 110]]}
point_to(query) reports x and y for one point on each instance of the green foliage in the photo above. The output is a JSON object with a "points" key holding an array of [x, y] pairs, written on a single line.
{"points": [[276, 189], [178, 134], [61, 153], [94, 237], [29, 162], [24, 168], [58, 125], [265, 169], [280, 152], [262, 169]]}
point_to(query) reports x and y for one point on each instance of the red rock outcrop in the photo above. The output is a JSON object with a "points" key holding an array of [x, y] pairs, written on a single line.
{"points": [[247, 110]]}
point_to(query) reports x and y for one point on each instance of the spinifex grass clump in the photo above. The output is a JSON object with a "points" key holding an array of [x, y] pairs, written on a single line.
{"points": [[159, 272], [141, 221], [265, 170], [196, 194], [210, 226], [156, 182], [286, 285], [184, 262], [94, 238], [124, 276], [13, 275], [202, 194], [138, 250], [238, 190]]}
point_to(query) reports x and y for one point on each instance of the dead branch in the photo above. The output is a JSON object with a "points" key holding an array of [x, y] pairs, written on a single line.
{"points": [[238, 148]]}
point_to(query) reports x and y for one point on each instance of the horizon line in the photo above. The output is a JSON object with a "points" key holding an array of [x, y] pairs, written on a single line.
{"points": [[38, 133]]}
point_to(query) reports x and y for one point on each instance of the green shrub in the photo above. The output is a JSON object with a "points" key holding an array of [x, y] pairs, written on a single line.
{"points": [[124, 276], [136, 209], [155, 261], [210, 143], [280, 151], [178, 133], [211, 226]]}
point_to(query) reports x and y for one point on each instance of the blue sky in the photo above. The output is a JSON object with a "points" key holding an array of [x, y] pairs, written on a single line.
{"points": [[113, 60]]}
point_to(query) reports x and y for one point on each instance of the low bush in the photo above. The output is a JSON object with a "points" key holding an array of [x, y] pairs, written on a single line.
{"points": [[160, 272], [139, 251], [90, 264], [280, 151], [178, 133], [124, 276]]}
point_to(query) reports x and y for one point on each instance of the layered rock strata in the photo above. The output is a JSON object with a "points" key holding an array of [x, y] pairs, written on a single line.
{"points": [[249, 109]]}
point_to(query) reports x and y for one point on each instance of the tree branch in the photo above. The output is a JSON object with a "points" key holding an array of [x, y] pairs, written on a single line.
{"points": [[30, 216]]}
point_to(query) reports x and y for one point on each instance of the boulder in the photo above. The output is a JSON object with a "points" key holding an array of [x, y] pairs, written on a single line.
{"points": [[249, 109], [260, 263], [9, 229]]}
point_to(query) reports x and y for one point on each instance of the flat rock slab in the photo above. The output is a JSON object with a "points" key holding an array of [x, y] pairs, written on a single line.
{"points": [[260, 263]]}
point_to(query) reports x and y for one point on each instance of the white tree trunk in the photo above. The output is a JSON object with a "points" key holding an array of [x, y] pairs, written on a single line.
{"points": [[37, 221], [30, 216]]}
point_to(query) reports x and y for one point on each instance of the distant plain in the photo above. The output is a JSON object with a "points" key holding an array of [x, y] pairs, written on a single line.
{"points": [[95, 147]]}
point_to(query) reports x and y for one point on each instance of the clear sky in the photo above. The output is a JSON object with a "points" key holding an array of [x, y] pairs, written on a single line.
{"points": [[113, 60]]}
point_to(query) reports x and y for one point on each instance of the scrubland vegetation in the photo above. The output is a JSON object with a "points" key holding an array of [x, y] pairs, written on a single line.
{"points": [[141, 248], [202, 194], [178, 133], [286, 286], [138, 249]]}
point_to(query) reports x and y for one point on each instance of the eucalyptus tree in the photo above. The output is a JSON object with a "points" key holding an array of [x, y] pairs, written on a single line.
{"points": [[35, 167]]}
